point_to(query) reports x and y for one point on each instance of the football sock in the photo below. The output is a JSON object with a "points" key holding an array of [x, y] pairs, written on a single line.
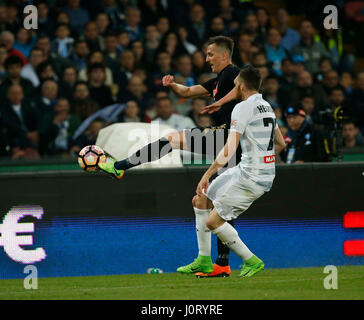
{"points": [[229, 236], [150, 152], [223, 251], [203, 233]]}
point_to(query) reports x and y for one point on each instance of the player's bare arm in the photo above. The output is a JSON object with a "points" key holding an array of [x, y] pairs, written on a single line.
{"points": [[216, 106], [221, 160], [279, 143], [184, 91]]}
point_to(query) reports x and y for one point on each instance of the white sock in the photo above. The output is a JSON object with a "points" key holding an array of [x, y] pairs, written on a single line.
{"points": [[203, 233], [229, 236]]}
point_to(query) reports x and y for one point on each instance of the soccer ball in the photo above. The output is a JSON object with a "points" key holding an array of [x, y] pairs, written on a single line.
{"points": [[89, 158]]}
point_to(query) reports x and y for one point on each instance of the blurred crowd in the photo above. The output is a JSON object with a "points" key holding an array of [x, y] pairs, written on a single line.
{"points": [[89, 56]]}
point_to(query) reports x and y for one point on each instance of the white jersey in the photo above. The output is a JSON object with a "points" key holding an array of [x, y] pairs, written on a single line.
{"points": [[255, 120]]}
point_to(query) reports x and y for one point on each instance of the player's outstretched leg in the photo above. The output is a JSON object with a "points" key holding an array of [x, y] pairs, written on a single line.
{"points": [[228, 235], [152, 151]]}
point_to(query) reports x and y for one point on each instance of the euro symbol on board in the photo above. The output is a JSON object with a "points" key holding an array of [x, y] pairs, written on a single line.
{"points": [[12, 242]]}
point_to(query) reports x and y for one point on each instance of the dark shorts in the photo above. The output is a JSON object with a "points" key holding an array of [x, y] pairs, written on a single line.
{"points": [[209, 141]]}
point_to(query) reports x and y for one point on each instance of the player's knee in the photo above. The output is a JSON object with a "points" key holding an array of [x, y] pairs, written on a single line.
{"points": [[210, 224], [175, 139], [200, 202]]}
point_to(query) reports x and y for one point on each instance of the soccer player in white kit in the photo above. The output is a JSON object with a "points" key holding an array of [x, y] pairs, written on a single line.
{"points": [[253, 125]]}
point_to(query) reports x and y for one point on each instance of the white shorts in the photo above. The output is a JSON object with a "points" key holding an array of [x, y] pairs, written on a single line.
{"points": [[232, 193]]}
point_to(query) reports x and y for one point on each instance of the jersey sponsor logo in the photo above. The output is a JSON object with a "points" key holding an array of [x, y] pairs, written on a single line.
{"points": [[269, 159], [233, 123], [287, 139]]}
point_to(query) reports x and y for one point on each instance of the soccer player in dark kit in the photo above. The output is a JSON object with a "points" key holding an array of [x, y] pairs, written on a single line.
{"points": [[208, 141]]}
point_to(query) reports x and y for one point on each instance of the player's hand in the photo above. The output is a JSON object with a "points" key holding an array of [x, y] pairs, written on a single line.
{"points": [[203, 185], [167, 80], [211, 108]]}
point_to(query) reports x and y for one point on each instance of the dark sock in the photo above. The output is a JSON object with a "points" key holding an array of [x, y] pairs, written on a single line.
{"points": [[150, 152], [223, 252]]}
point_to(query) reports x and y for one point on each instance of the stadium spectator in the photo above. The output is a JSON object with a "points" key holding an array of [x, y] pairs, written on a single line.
{"points": [[67, 83], [243, 52], [303, 142], [4, 24], [290, 37], [29, 71], [347, 81], [48, 96], [112, 52], [163, 67], [45, 22], [7, 39], [13, 66], [197, 105], [351, 135], [138, 92], [274, 50], [62, 45], [114, 12], [308, 105], [21, 120], [182, 31], [199, 65], [197, 25], [324, 66], [25, 41], [229, 16], [127, 63], [357, 101], [264, 23], [163, 25], [137, 48], [151, 42], [251, 27], [103, 24], [270, 91], [57, 128], [82, 105], [94, 41], [311, 50], [99, 91], [331, 81], [132, 23], [305, 86], [79, 55], [45, 71], [172, 43], [78, 16], [96, 57], [58, 63], [166, 115], [217, 27], [151, 11]]}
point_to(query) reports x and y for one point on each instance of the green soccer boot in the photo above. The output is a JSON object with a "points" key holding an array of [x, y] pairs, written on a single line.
{"points": [[251, 267], [200, 264], [108, 167]]}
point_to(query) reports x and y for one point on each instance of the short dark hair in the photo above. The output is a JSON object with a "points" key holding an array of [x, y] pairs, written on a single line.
{"points": [[164, 98], [95, 66], [223, 42], [251, 77], [13, 60]]}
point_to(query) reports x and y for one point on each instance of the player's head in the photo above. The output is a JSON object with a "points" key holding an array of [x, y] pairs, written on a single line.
{"points": [[219, 52], [248, 80]]}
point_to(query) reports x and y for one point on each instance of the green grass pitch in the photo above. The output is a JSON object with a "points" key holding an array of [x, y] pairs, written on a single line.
{"points": [[297, 283]]}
